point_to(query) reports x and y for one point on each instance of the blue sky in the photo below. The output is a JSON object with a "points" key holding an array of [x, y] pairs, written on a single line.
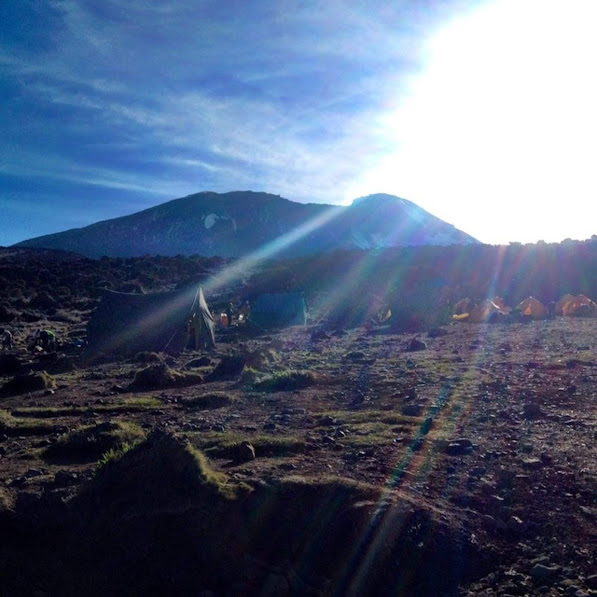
{"points": [[109, 107]]}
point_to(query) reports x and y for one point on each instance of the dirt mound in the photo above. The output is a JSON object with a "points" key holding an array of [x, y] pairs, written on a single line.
{"points": [[22, 384], [230, 366], [260, 359], [160, 376], [160, 472], [149, 514]]}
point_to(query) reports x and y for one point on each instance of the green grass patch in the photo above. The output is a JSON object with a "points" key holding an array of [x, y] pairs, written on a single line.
{"points": [[114, 454], [93, 441], [345, 417], [127, 406], [13, 426], [285, 381], [213, 400], [226, 445], [298, 485]]}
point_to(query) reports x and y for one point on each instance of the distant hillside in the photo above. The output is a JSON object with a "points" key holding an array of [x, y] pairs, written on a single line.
{"points": [[237, 223]]}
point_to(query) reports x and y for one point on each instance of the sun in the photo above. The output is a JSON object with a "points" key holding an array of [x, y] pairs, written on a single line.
{"points": [[498, 131]]}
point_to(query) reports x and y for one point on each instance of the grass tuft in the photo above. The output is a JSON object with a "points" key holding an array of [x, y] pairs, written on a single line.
{"points": [[287, 381]]}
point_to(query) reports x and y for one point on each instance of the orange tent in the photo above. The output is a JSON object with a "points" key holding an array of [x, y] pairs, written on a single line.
{"points": [[560, 304], [532, 307], [579, 306]]}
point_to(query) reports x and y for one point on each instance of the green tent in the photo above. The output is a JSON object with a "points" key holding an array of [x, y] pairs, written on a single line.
{"points": [[166, 321], [279, 310]]}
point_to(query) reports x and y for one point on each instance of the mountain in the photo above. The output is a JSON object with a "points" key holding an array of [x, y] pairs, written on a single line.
{"points": [[237, 223]]}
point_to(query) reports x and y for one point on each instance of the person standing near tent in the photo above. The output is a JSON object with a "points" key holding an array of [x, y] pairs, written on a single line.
{"points": [[229, 309], [245, 311]]}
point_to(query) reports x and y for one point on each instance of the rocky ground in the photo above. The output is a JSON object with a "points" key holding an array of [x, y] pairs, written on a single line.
{"points": [[482, 438]]}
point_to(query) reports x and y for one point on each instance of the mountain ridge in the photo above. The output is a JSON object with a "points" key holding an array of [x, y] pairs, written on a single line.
{"points": [[236, 223]]}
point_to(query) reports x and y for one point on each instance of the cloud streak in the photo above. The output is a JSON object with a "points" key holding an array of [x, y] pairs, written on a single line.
{"points": [[172, 98]]}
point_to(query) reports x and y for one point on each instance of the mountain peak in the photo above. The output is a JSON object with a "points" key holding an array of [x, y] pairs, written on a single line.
{"points": [[237, 223], [380, 198]]}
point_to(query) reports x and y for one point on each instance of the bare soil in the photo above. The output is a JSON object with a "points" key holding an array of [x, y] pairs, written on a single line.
{"points": [[490, 431]]}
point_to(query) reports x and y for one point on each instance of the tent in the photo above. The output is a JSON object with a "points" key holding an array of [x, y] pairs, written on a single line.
{"points": [[560, 304], [167, 321], [499, 302], [462, 306], [484, 311], [279, 310], [477, 311], [533, 308], [578, 306]]}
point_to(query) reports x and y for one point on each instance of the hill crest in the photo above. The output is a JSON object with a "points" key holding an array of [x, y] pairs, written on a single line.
{"points": [[236, 223]]}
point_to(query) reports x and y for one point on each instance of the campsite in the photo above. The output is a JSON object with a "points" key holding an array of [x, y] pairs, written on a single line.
{"points": [[325, 450]]}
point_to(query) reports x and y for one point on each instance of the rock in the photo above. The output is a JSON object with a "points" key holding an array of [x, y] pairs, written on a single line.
{"points": [[531, 411], [33, 472], [246, 451], [532, 464], [515, 525], [412, 410], [200, 362], [546, 458], [459, 447], [416, 345], [591, 582], [327, 421], [542, 574], [66, 478], [478, 471]]}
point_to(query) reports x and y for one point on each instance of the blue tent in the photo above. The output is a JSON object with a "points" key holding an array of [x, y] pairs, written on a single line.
{"points": [[279, 310]]}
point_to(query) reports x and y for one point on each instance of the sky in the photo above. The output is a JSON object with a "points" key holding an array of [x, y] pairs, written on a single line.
{"points": [[482, 112]]}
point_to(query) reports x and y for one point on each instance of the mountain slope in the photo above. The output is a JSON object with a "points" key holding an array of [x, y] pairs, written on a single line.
{"points": [[234, 224]]}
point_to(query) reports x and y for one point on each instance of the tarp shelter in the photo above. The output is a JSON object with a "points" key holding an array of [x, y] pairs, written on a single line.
{"points": [[532, 307], [167, 321], [578, 306], [279, 310]]}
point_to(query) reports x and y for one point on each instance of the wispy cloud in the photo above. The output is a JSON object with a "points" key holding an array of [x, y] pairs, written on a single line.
{"points": [[170, 98]]}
